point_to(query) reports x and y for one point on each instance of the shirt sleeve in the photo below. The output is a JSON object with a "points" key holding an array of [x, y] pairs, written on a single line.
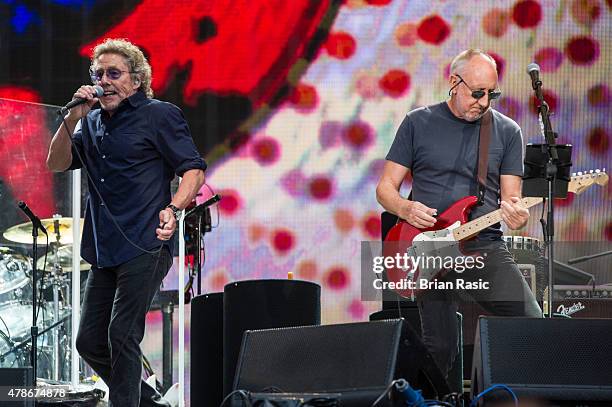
{"points": [[77, 147], [512, 161], [402, 147], [174, 141]]}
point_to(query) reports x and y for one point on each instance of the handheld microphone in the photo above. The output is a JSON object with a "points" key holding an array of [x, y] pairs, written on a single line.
{"points": [[79, 101], [533, 70], [35, 220]]}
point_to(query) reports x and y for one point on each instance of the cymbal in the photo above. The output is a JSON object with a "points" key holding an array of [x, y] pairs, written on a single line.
{"points": [[22, 233], [65, 260]]}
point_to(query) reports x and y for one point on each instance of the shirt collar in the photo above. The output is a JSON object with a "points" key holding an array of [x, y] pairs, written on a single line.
{"points": [[137, 99]]}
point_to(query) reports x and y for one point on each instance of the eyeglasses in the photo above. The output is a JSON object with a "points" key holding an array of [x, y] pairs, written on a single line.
{"points": [[111, 73], [477, 94]]}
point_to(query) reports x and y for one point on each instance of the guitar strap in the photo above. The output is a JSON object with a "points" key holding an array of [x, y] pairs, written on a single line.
{"points": [[483, 153], [484, 139]]}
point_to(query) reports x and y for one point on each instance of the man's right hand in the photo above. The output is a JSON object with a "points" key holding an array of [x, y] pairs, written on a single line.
{"points": [[84, 92], [417, 214]]}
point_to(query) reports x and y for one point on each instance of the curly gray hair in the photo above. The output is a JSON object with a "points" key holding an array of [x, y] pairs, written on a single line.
{"points": [[134, 57]]}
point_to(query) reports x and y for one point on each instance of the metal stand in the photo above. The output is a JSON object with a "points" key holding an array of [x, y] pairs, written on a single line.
{"points": [[165, 301], [34, 331], [167, 311], [203, 212], [550, 174], [198, 256], [592, 256], [58, 283]]}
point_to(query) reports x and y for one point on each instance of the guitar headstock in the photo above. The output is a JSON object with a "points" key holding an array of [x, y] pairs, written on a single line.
{"points": [[581, 181]]}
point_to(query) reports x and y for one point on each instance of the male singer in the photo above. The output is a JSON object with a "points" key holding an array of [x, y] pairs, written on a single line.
{"points": [[131, 148]]}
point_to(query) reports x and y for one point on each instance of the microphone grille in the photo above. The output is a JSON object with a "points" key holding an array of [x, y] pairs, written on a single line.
{"points": [[533, 67], [99, 91]]}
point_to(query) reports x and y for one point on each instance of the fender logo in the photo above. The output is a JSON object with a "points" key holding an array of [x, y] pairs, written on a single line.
{"points": [[567, 311]]}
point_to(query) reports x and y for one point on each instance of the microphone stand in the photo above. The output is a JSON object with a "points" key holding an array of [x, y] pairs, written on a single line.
{"points": [[551, 175], [592, 256], [202, 210], [34, 330]]}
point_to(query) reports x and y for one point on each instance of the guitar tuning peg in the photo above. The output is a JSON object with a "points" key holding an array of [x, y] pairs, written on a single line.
{"points": [[597, 171], [590, 172], [573, 174], [580, 173]]}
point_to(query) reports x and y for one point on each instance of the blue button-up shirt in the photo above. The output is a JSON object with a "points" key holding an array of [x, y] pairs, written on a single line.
{"points": [[131, 156]]}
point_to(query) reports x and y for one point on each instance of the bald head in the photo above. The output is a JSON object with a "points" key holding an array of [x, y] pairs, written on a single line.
{"points": [[458, 65]]}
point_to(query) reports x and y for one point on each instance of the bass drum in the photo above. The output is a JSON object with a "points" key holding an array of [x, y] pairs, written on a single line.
{"points": [[15, 329]]}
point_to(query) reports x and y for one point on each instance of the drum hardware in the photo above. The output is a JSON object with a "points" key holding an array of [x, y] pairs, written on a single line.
{"points": [[528, 253], [16, 297], [60, 285], [524, 249]]}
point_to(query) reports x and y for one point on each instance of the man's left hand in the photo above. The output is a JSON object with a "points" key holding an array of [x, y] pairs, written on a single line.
{"points": [[167, 224], [514, 213]]}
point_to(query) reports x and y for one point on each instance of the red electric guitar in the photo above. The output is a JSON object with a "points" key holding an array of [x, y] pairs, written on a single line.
{"points": [[443, 240]]}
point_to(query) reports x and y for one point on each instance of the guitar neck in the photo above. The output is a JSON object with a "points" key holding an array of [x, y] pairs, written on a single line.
{"points": [[472, 227]]}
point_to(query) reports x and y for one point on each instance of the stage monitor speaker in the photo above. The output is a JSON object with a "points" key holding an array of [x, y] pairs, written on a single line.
{"points": [[264, 304], [412, 317], [358, 360], [206, 350], [557, 359], [17, 377]]}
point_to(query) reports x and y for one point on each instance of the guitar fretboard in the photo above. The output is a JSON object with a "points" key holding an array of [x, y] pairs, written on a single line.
{"points": [[474, 226]]}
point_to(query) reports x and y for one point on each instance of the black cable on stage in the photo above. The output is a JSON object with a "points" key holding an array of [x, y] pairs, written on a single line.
{"points": [[242, 393]]}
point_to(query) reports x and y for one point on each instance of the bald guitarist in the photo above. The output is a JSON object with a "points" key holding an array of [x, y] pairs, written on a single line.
{"points": [[439, 145]]}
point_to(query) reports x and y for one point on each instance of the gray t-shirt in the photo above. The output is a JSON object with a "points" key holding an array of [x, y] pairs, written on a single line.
{"points": [[441, 150]]}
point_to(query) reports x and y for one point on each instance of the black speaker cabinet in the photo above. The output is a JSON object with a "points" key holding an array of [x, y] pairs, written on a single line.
{"points": [[206, 350], [557, 359], [16, 377], [358, 360], [413, 318], [264, 304]]}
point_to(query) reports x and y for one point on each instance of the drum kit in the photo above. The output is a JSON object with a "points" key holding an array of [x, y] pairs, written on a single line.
{"points": [[528, 253], [54, 271]]}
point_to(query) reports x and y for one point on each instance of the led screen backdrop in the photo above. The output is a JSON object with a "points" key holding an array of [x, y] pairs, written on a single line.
{"points": [[295, 104]]}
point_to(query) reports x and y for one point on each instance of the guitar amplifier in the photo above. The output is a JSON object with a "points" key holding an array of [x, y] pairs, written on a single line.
{"points": [[565, 292]]}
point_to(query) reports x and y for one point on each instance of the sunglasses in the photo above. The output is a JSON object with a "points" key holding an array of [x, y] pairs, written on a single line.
{"points": [[111, 73], [477, 94]]}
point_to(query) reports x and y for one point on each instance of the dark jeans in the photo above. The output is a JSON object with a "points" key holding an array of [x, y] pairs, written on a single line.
{"points": [[115, 305], [508, 295]]}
